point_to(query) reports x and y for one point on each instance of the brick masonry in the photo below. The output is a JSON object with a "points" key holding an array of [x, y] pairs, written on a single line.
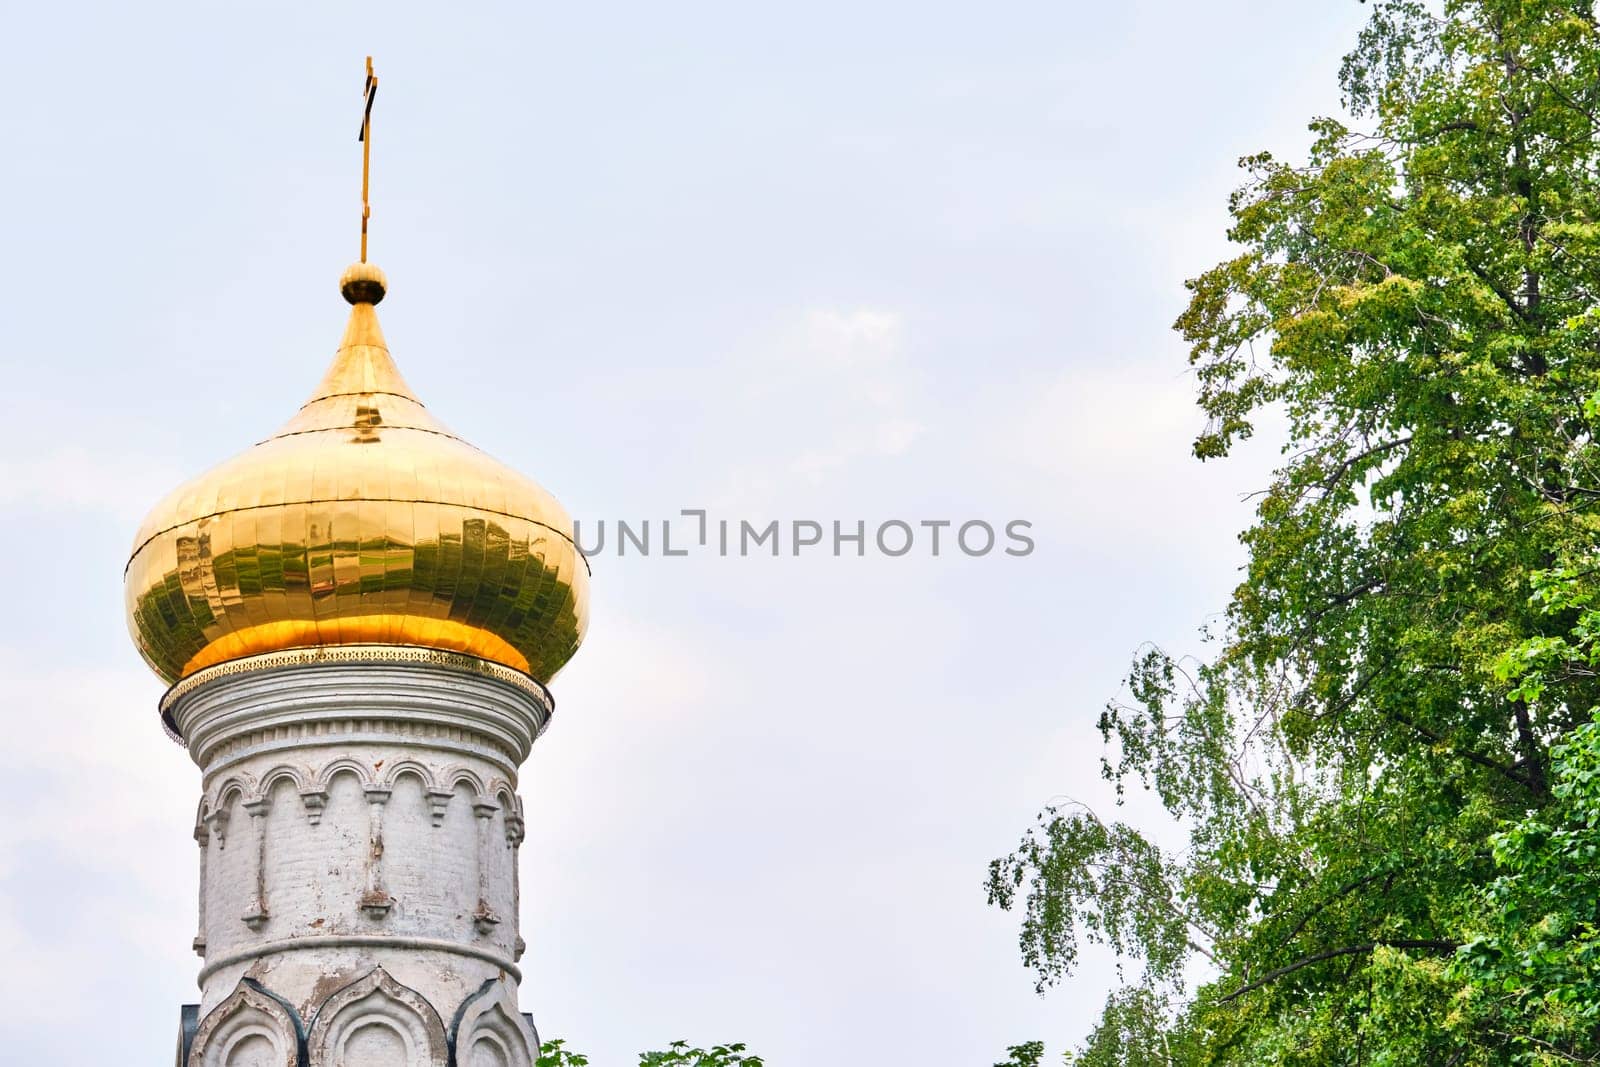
{"points": [[358, 836]]}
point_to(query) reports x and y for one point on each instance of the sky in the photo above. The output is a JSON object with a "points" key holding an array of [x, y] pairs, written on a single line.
{"points": [[860, 261]]}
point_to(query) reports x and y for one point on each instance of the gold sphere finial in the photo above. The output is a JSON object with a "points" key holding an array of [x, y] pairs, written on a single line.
{"points": [[363, 283]]}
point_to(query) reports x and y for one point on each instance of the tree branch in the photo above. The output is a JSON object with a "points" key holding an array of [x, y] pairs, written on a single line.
{"points": [[1338, 894], [1532, 753], [1495, 287], [1334, 953], [1344, 468], [1509, 770], [1448, 127]]}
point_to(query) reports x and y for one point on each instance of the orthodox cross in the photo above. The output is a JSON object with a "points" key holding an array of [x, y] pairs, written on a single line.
{"points": [[371, 93]]}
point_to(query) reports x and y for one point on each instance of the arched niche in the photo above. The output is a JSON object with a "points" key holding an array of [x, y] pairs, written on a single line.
{"points": [[251, 1028], [377, 1022], [489, 1031]]}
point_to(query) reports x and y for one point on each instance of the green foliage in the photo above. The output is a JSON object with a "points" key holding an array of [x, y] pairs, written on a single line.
{"points": [[679, 1054], [1135, 1030], [1109, 881], [554, 1053], [1027, 1054], [1417, 302], [1536, 958]]}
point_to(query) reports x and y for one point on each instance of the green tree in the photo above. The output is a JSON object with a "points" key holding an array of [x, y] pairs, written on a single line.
{"points": [[1135, 1030], [1536, 964], [679, 1054], [1417, 299], [1027, 1054], [554, 1053], [1536, 967]]}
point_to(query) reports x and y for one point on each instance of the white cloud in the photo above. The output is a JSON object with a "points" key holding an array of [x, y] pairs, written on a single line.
{"points": [[95, 857], [853, 339], [1109, 449], [829, 390], [73, 479]]}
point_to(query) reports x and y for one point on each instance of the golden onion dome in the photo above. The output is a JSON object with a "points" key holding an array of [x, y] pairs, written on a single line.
{"points": [[363, 521]]}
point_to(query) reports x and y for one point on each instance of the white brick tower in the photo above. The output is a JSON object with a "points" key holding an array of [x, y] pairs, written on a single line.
{"points": [[358, 832]]}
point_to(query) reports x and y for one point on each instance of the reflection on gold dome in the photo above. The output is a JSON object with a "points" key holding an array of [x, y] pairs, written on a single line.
{"points": [[362, 521]]}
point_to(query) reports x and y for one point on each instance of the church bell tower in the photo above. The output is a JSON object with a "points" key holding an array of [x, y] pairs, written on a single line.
{"points": [[358, 618]]}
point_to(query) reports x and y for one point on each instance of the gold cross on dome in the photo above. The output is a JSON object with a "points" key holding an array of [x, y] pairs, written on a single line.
{"points": [[370, 91]]}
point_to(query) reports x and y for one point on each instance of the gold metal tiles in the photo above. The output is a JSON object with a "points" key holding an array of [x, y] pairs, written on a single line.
{"points": [[363, 521]]}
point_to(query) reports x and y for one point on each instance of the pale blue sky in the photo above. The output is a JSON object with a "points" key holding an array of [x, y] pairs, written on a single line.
{"points": [[827, 261]]}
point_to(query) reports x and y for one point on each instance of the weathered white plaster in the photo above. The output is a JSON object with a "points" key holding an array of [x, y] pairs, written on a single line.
{"points": [[377, 1022], [361, 820], [488, 1030], [249, 1029]]}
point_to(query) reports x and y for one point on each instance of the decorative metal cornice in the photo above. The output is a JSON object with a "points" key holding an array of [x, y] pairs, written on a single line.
{"points": [[345, 655]]}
